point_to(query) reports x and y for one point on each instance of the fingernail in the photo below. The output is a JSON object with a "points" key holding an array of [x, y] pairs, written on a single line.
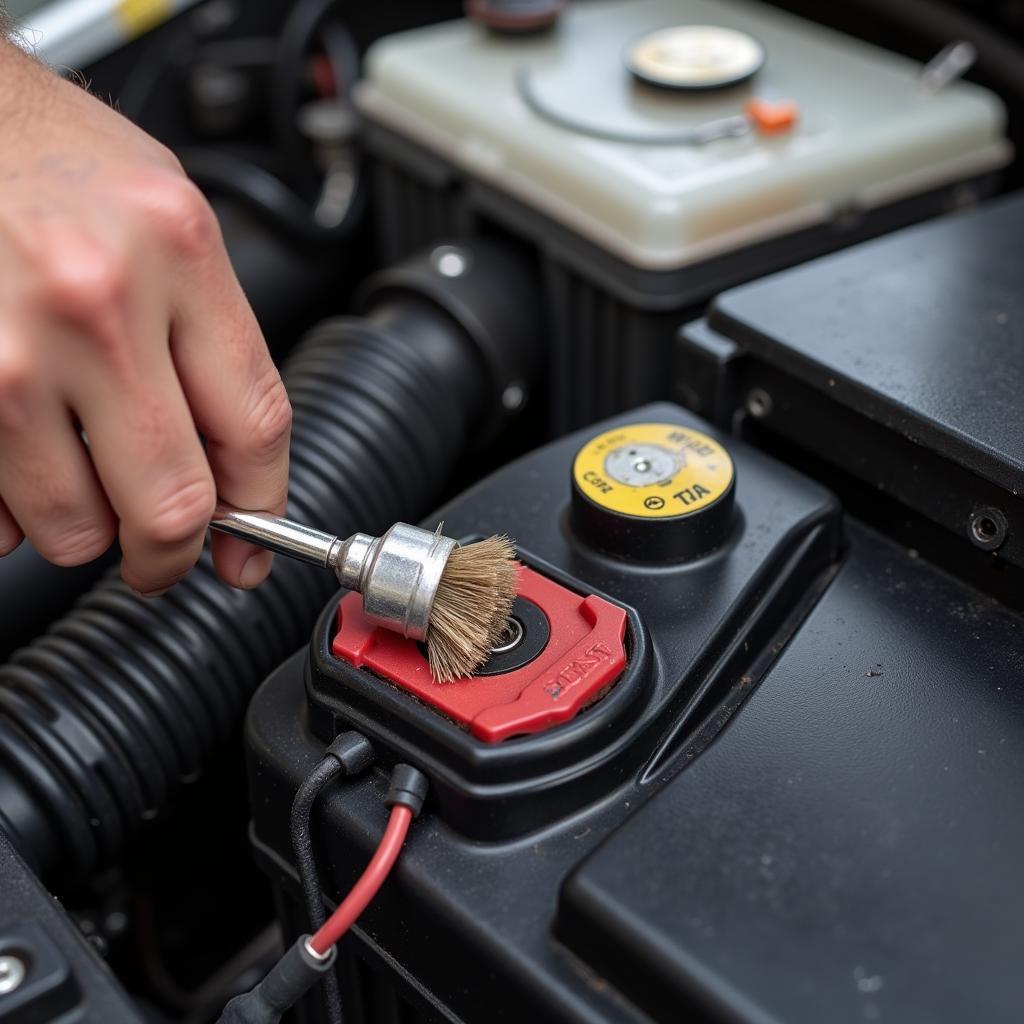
{"points": [[256, 569]]}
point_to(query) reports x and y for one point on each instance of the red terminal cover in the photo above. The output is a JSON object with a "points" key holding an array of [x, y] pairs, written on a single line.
{"points": [[585, 654]]}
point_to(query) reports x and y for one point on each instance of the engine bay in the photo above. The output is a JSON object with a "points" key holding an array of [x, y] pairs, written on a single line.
{"points": [[715, 310]]}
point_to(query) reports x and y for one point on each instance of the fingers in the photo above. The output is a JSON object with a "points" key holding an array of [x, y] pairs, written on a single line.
{"points": [[104, 326], [239, 404], [47, 483], [151, 464], [230, 383], [141, 331]]}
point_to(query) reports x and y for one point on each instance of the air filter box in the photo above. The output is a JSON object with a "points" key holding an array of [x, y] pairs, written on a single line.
{"points": [[641, 201]]}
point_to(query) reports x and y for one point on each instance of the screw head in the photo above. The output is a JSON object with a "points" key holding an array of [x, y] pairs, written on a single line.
{"points": [[513, 397], [449, 261], [12, 972], [759, 403]]}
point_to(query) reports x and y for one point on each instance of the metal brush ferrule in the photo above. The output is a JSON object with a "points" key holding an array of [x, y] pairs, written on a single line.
{"points": [[397, 574]]}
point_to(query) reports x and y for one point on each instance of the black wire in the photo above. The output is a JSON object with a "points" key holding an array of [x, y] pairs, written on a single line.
{"points": [[141, 83], [305, 861], [309, 22], [302, 839], [261, 192], [341, 50], [305, 25]]}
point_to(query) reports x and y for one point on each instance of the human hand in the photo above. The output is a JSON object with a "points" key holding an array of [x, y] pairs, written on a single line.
{"points": [[120, 317]]}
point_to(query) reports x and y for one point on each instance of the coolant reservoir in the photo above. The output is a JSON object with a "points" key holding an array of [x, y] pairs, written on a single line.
{"points": [[569, 122], [651, 154]]}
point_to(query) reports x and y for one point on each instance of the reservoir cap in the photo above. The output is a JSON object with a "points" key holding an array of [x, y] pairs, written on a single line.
{"points": [[695, 57], [653, 491]]}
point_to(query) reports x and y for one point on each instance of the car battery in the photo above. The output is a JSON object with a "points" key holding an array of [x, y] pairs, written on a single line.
{"points": [[663, 570], [651, 153]]}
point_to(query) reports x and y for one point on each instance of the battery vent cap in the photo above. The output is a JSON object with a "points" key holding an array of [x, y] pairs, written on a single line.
{"points": [[653, 492]]}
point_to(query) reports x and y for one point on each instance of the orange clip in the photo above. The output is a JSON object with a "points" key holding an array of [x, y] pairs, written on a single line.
{"points": [[769, 117]]}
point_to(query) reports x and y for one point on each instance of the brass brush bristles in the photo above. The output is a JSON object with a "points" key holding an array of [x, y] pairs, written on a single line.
{"points": [[471, 608], [416, 582]]}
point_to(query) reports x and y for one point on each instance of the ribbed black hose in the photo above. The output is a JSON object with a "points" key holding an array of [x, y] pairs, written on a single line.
{"points": [[123, 699]]}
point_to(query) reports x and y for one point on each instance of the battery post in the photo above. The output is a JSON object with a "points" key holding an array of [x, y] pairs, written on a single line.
{"points": [[562, 652]]}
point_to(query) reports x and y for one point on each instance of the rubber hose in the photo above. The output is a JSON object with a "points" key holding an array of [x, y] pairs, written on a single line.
{"points": [[124, 699], [999, 54], [33, 592]]}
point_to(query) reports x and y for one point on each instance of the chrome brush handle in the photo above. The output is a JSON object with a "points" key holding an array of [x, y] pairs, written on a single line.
{"points": [[397, 574], [275, 533]]}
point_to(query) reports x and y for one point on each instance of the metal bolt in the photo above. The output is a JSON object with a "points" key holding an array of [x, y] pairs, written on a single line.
{"points": [[12, 972], [987, 528], [513, 397], [449, 261], [759, 403]]}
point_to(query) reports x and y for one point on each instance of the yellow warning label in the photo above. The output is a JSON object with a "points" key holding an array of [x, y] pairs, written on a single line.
{"points": [[138, 16], [653, 470]]}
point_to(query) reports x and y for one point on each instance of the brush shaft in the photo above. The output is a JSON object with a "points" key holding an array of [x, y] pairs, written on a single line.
{"points": [[276, 533]]}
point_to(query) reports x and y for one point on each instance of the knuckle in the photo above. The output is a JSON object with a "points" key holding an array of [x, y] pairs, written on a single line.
{"points": [[86, 283], [196, 230], [16, 381], [77, 543], [163, 156], [185, 219], [182, 515], [53, 504], [270, 417]]}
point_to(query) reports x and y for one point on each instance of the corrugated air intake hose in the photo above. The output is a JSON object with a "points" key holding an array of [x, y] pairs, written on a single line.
{"points": [[123, 699]]}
